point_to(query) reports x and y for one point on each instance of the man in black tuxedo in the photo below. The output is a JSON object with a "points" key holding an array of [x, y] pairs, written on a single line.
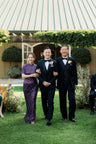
{"points": [[92, 93], [47, 83], [67, 81]]}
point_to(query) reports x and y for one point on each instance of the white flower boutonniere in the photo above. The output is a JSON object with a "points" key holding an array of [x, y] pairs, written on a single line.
{"points": [[69, 62], [51, 63]]}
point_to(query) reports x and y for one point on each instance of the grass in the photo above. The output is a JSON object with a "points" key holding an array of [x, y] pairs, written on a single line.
{"points": [[13, 129], [17, 88]]}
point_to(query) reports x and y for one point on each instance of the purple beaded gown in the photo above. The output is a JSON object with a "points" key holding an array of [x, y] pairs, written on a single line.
{"points": [[30, 88]]}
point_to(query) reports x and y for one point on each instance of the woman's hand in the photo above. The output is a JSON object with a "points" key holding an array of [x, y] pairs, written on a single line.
{"points": [[34, 75], [31, 75]]}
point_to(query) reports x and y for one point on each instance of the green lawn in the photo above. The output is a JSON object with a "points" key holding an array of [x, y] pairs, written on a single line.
{"points": [[13, 129]]}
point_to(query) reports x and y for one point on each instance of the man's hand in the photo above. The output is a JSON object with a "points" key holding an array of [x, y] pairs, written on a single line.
{"points": [[38, 71], [55, 73], [46, 84], [75, 86]]}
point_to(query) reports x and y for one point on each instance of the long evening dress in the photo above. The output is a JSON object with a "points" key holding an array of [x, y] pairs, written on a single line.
{"points": [[30, 88]]}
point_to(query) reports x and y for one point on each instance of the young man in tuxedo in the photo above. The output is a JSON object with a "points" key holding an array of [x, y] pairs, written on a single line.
{"points": [[67, 81], [47, 83], [92, 95]]}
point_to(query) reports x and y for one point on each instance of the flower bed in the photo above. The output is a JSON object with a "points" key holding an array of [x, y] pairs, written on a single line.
{"points": [[11, 101]]}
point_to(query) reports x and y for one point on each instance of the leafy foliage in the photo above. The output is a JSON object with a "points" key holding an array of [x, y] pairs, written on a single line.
{"points": [[82, 92], [81, 38], [12, 54], [4, 37], [14, 71], [81, 55]]}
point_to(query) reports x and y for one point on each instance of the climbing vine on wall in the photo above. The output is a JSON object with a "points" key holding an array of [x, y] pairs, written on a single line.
{"points": [[75, 38]]}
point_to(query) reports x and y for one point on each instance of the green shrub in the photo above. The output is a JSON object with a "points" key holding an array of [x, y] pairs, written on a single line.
{"points": [[14, 71], [12, 54], [81, 55]]}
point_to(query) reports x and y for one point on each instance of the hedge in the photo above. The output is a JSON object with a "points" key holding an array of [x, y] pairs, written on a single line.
{"points": [[75, 38]]}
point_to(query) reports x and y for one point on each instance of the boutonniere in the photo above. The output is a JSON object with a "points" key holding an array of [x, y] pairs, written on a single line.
{"points": [[51, 63], [69, 62]]}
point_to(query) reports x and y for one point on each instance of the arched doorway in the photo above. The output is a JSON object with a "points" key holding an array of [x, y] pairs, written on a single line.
{"points": [[38, 50]]}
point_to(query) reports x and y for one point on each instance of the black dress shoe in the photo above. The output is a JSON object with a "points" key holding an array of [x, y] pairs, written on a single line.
{"points": [[46, 118], [73, 120], [48, 123], [64, 119], [92, 112]]}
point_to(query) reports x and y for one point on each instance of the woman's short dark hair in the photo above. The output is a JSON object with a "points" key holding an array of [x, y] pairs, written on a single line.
{"points": [[33, 54]]}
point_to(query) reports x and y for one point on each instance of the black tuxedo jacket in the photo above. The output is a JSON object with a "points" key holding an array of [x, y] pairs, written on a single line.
{"points": [[67, 74], [46, 75]]}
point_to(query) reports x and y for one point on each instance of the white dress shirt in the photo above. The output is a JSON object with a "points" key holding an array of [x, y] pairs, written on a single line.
{"points": [[47, 64], [64, 60]]}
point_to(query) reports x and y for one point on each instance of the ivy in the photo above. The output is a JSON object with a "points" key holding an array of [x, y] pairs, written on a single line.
{"points": [[4, 37], [74, 38]]}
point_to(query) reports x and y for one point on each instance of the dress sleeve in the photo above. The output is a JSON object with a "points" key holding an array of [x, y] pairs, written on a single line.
{"points": [[23, 69]]}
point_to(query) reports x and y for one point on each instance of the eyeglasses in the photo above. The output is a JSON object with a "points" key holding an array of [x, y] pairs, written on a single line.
{"points": [[30, 57]]}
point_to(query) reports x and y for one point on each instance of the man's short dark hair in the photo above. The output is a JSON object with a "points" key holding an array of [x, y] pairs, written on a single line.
{"points": [[47, 47], [65, 46]]}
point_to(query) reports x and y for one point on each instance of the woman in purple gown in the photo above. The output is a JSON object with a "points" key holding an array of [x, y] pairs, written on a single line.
{"points": [[30, 88]]}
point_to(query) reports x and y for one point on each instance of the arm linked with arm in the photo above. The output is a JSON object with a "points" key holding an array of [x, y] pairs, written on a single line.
{"points": [[55, 72], [38, 71]]}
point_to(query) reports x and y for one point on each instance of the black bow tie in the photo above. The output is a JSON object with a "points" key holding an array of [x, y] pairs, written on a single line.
{"points": [[64, 58], [47, 60]]}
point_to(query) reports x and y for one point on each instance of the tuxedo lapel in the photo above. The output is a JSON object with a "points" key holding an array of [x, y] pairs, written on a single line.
{"points": [[43, 65], [62, 62], [67, 65], [49, 65], [95, 77]]}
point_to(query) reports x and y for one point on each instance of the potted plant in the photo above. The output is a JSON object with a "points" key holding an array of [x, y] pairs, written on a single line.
{"points": [[14, 72]]}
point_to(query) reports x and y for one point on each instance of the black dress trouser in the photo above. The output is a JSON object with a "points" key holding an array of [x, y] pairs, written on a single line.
{"points": [[47, 96], [91, 100], [63, 102]]}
